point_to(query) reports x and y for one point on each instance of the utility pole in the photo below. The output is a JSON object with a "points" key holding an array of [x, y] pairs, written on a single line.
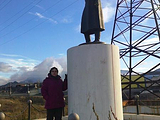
{"points": [[10, 90]]}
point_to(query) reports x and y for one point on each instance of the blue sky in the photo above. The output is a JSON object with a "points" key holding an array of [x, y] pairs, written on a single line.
{"points": [[42, 30], [36, 34]]}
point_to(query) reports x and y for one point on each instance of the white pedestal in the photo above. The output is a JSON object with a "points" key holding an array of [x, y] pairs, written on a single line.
{"points": [[94, 83]]}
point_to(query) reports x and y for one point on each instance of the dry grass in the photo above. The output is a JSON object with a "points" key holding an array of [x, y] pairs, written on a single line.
{"points": [[16, 107]]}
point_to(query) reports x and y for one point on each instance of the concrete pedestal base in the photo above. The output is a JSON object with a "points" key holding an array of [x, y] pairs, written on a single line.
{"points": [[94, 83]]}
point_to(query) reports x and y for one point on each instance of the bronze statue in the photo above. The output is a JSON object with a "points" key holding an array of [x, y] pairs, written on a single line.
{"points": [[92, 20]]}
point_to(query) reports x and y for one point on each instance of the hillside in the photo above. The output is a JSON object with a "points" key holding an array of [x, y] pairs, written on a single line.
{"points": [[16, 107]]}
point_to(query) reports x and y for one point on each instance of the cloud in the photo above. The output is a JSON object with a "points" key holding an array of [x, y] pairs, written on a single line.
{"points": [[43, 17], [12, 64], [78, 28], [63, 62], [16, 64], [143, 69], [40, 7], [4, 67], [3, 80], [40, 71], [108, 13], [24, 68], [39, 15], [149, 41], [145, 65], [65, 20], [61, 54]]}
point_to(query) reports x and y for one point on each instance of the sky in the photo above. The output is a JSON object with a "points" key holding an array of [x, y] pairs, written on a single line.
{"points": [[36, 34]]}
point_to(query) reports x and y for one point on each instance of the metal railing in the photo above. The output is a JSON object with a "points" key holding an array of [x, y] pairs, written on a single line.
{"points": [[27, 107], [139, 103]]}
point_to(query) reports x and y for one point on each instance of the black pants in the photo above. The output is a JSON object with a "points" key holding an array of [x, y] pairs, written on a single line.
{"points": [[56, 112]]}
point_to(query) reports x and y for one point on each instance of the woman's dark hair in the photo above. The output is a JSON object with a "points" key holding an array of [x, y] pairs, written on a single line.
{"points": [[49, 74], [52, 69]]}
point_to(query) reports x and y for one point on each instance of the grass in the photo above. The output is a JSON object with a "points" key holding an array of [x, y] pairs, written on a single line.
{"points": [[16, 107]]}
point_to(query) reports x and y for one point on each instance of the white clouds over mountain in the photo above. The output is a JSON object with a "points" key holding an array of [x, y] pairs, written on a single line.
{"points": [[35, 73]]}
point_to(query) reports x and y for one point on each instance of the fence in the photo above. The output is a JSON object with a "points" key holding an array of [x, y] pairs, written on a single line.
{"points": [[27, 108], [136, 106], [72, 116], [142, 107]]}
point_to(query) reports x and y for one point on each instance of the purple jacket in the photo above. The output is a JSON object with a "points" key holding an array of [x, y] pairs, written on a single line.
{"points": [[52, 91]]}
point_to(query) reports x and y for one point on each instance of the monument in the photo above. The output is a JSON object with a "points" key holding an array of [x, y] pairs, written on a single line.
{"points": [[94, 82], [92, 20]]}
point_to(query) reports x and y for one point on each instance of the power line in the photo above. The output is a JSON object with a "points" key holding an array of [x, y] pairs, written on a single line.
{"points": [[38, 24], [30, 19], [2, 2], [6, 4], [18, 12], [19, 17]]}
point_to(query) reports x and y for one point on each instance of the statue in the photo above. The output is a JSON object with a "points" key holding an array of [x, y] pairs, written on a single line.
{"points": [[92, 20]]}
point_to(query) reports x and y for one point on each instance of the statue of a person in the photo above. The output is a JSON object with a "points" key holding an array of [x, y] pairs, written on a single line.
{"points": [[92, 20]]}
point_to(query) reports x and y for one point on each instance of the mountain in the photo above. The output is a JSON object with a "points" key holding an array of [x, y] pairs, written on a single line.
{"points": [[30, 80], [10, 84], [38, 79], [155, 72], [124, 72]]}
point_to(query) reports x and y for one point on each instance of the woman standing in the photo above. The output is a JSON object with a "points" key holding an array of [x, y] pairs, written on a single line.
{"points": [[52, 91]]}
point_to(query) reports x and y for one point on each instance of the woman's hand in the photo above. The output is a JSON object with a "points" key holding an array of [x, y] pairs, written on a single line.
{"points": [[65, 76]]}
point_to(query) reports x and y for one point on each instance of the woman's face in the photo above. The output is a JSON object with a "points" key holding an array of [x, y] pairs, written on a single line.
{"points": [[54, 72]]}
